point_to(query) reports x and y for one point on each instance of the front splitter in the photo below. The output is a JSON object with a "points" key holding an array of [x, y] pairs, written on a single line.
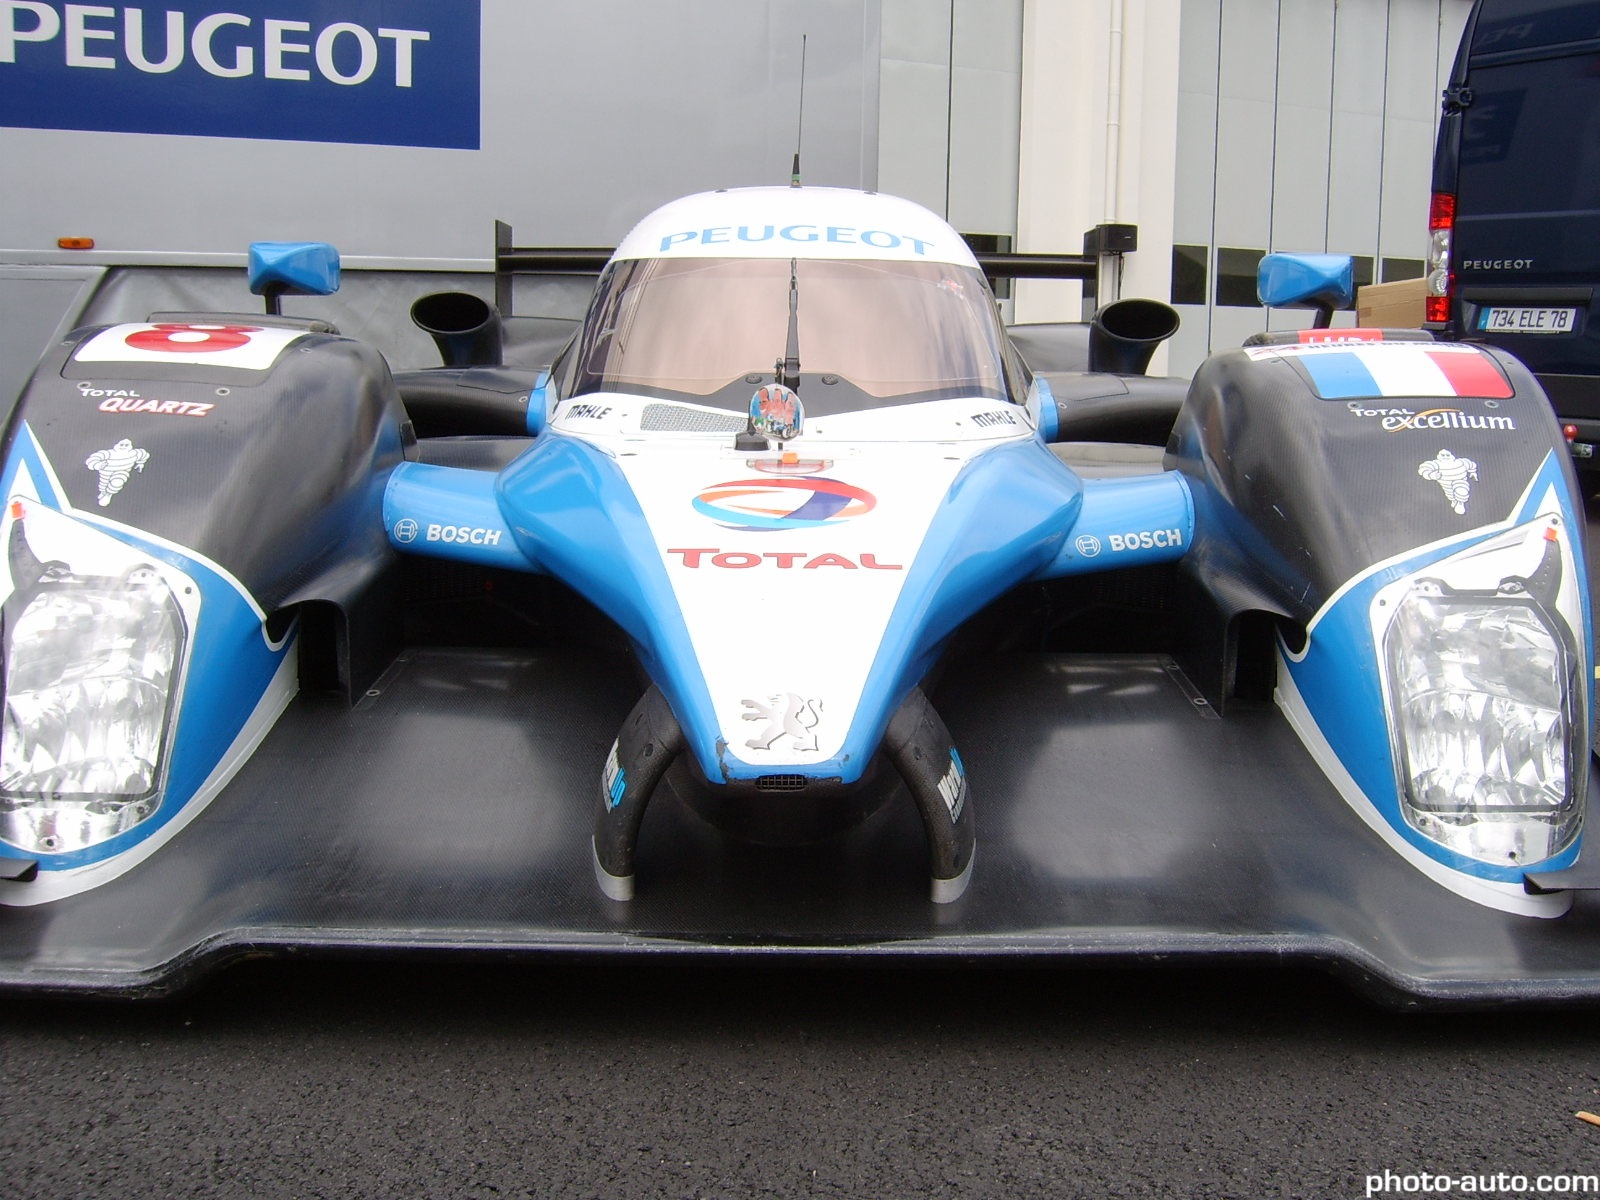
{"points": [[1117, 821]]}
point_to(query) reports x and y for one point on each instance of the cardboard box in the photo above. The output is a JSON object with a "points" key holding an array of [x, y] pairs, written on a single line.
{"points": [[1395, 305]]}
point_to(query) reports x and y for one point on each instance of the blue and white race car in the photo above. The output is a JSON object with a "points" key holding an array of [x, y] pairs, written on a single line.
{"points": [[792, 576]]}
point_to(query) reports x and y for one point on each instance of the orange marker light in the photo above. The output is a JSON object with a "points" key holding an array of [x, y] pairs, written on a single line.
{"points": [[75, 243]]}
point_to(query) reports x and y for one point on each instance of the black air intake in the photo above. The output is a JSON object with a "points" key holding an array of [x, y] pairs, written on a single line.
{"points": [[465, 328], [1124, 335]]}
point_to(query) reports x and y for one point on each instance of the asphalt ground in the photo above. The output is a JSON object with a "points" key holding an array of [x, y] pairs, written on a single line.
{"points": [[603, 1078], [730, 1080], [736, 1080]]}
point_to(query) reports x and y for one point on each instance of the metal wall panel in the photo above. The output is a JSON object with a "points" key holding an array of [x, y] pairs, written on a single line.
{"points": [[37, 306], [1339, 162], [950, 108], [1301, 135], [593, 112], [985, 114]]}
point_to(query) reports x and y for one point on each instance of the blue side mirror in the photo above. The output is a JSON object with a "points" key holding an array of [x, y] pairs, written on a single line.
{"points": [[297, 268], [1322, 281]]}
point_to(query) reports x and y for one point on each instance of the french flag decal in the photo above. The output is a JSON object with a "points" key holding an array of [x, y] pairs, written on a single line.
{"points": [[1412, 369]]}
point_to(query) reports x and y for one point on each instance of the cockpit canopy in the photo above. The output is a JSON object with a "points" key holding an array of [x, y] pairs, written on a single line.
{"points": [[870, 333]]}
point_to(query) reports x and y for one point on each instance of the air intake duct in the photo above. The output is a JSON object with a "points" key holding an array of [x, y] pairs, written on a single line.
{"points": [[1124, 335], [465, 328]]}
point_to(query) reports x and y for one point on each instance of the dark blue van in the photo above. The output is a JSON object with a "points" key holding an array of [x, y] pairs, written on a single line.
{"points": [[1515, 253]]}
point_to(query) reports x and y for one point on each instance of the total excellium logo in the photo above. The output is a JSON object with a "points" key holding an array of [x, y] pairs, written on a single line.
{"points": [[764, 505]]}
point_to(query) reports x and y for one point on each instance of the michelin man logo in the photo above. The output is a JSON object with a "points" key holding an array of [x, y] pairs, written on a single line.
{"points": [[116, 467], [788, 716], [1453, 475]]}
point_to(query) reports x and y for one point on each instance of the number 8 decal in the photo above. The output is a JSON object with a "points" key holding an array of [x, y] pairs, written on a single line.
{"points": [[191, 339]]}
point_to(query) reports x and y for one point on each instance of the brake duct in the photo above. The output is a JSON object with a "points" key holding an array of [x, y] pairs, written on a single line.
{"points": [[916, 742]]}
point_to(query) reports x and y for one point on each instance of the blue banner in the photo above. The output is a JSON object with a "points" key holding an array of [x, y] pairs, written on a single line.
{"points": [[382, 72]]}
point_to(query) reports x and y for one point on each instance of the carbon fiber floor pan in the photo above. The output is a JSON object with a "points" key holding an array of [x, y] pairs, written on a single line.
{"points": [[1117, 820]]}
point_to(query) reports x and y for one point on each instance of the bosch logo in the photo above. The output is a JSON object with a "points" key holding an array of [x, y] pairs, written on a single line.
{"points": [[465, 534], [765, 505], [1087, 545], [405, 530], [1146, 539]]}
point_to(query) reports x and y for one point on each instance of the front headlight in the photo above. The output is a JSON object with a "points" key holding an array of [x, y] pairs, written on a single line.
{"points": [[1486, 699], [92, 667]]}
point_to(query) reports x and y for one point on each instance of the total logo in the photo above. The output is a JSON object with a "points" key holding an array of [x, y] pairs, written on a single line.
{"points": [[695, 557], [765, 505]]}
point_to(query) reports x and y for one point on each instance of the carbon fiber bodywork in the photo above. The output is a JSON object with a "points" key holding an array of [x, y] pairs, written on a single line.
{"points": [[1121, 820]]}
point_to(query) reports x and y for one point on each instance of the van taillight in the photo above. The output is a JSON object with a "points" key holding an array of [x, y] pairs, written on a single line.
{"points": [[1441, 224]]}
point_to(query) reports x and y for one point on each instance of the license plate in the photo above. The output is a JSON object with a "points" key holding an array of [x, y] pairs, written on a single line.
{"points": [[1527, 320]]}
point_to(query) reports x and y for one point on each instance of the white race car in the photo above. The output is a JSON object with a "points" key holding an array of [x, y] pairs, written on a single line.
{"points": [[337, 657]]}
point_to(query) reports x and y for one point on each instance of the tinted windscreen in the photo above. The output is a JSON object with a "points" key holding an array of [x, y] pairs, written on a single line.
{"points": [[1521, 26], [868, 333], [1530, 140]]}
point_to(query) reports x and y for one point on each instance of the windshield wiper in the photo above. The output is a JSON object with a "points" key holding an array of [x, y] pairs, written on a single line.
{"points": [[786, 370]]}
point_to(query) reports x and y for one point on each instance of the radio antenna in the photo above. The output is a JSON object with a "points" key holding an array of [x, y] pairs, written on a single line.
{"points": [[800, 123]]}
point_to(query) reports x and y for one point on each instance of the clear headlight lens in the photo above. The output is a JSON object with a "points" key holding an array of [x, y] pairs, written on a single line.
{"points": [[91, 668], [1485, 706]]}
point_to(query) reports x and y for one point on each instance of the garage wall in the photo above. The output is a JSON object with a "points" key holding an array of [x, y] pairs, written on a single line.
{"points": [[949, 94], [586, 114], [1222, 128], [1302, 125], [1099, 122]]}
